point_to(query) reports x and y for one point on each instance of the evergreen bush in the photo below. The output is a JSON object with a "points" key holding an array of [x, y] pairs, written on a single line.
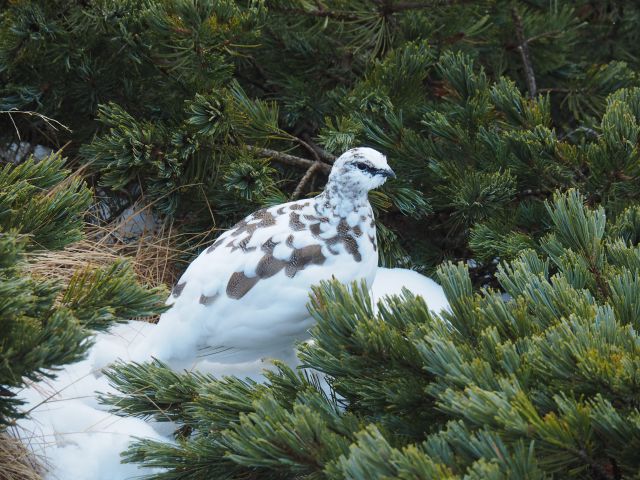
{"points": [[537, 382]]}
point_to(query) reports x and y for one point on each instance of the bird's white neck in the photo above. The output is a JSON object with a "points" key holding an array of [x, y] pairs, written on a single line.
{"points": [[341, 199]]}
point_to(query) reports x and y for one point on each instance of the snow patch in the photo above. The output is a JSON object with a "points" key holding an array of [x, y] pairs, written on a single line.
{"points": [[18, 152], [67, 426]]}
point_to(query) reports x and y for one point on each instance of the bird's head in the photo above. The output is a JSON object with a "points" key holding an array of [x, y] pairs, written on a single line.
{"points": [[361, 169]]}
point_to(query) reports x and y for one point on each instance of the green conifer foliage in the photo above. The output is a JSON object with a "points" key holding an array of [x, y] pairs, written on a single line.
{"points": [[43, 324], [216, 108], [493, 113], [486, 110], [540, 383], [34, 201]]}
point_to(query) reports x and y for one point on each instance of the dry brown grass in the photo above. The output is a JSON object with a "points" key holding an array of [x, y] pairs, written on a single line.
{"points": [[16, 461], [158, 257], [155, 258]]}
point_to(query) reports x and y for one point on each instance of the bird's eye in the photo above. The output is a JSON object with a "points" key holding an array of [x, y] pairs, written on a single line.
{"points": [[362, 166]]}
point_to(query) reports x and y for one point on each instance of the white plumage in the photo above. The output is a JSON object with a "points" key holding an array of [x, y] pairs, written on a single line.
{"points": [[392, 281], [245, 296]]}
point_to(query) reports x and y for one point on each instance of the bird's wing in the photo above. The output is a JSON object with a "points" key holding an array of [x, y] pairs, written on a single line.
{"points": [[283, 238]]}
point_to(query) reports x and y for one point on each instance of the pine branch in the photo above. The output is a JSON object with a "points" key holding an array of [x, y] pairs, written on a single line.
{"points": [[523, 47], [287, 159]]}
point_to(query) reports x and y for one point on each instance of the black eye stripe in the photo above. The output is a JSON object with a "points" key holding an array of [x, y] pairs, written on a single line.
{"points": [[366, 168]]}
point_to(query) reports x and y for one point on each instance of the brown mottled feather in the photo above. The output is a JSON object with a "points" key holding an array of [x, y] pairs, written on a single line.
{"points": [[295, 223], [343, 227], [204, 300], [314, 228], [239, 284], [215, 245], [177, 290], [301, 258], [269, 245], [268, 266], [351, 246]]}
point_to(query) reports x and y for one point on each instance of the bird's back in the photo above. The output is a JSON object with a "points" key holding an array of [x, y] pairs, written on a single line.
{"points": [[250, 288]]}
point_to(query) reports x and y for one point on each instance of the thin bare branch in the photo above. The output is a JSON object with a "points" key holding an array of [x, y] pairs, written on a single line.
{"points": [[288, 159], [309, 148], [404, 6], [385, 8], [551, 33], [305, 178], [523, 47], [334, 15], [49, 121], [15, 127], [324, 155], [388, 7]]}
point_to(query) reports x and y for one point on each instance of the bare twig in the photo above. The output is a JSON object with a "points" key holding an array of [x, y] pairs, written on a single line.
{"points": [[556, 90], [385, 8], [404, 6], [305, 178], [15, 127], [551, 33], [312, 166], [388, 7], [310, 149], [50, 396], [49, 121], [523, 47], [288, 159], [324, 155]]}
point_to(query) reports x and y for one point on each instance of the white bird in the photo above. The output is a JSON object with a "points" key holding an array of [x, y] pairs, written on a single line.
{"points": [[245, 296]]}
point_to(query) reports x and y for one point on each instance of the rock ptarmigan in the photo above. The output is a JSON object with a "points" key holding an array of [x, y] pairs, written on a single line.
{"points": [[247, 293]]}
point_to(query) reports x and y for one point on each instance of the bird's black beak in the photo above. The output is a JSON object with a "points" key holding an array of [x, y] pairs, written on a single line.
{"points": [[387, 173]]}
